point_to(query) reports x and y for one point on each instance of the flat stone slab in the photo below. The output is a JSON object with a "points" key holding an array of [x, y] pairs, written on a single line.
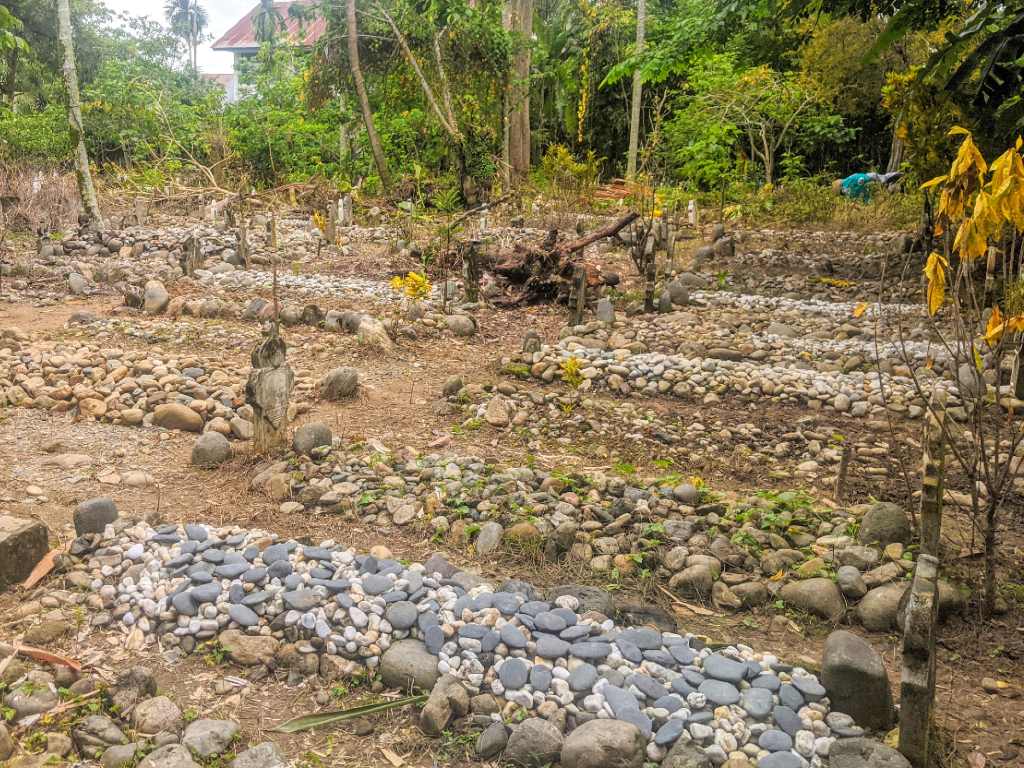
{"points": [[23, 543]]}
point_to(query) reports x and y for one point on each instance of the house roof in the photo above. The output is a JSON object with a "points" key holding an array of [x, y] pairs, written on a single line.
{"points": [[242, 36]]}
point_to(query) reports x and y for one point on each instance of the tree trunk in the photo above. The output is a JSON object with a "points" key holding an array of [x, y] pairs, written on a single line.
{"points": [[638, 86], [12, 73], [364, 100], [895, 147], [86, 190], [521, 22], [991, 520]]}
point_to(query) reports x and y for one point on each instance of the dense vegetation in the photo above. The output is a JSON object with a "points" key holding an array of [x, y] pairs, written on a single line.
{"points": [[736, 95]]}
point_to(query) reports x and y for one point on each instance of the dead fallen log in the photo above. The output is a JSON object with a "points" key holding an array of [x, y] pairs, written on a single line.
{"points": [[535, 274]]}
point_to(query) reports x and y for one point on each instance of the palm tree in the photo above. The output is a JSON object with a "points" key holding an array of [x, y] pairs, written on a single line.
{"points": [[187, 19], [267, 21]]}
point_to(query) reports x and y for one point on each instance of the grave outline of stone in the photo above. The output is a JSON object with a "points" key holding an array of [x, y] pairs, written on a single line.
{"points": [[917, 680], [933, 464]]}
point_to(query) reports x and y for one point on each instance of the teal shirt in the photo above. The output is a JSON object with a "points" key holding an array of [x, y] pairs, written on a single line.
{"points": [[856, 186]]}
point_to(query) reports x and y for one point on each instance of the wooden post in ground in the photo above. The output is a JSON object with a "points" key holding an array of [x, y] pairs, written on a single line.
{"points": [[272, 230], [990, 274], [140, 211], [578, 295], [650, 271], [917, 682], [243, 242], [933, 464], [844, 469], [471, 271], [670, 249], [332, 224]]}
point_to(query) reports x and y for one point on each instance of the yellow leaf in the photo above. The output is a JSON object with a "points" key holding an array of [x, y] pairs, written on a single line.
{"points": [[779, 576], [935, 271], [860, 309], [934, 182], [996, 326], [957, 130], [978, 362]]}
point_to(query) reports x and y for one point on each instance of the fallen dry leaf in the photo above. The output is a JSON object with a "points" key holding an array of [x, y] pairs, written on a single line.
{"points": [[43, 567], [46, 657], [976, 760], [392, 758]]}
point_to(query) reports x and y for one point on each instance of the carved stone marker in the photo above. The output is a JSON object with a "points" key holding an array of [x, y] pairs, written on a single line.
{"points": [[917, 686], [191, 256], [345, 218], [268, 390]]}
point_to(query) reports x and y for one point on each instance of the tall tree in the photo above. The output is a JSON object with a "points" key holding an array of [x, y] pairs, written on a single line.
{"points": [[187, 19], [90, 206], [638, 87], [520, 22], [11, 44], [364, 99]]}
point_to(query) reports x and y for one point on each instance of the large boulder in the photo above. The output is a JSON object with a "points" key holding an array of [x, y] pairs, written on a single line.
{"points": [[535, 742], [340, 383], [686, 754], [589, 598], [207, 738], [177, 416], [265, 755], [854, 677], [877, 610], [155, 297], [461, 325], [864, 753], [169, 756], [820, 597], [603, 743], [157, 714], [211, 450], [310, 436], [883, 524], [93, 515], [23, 543], [248, 650], [408, 663]]}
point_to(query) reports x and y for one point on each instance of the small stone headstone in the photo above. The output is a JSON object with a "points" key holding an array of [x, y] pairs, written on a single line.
{"points": [[23, 543]]}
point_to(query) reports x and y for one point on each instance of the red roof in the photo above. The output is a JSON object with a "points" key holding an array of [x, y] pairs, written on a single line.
{"points": [[242, 36]]}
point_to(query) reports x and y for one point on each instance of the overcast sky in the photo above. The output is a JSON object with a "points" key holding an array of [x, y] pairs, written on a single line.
{"points": [[222, 13]]}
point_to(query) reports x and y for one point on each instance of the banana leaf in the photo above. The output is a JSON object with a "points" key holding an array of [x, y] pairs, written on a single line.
{"points": [[320, 719]]}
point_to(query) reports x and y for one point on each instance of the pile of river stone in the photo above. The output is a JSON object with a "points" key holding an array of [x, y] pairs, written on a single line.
{"points": [[554, 659], [605, 358], [804, 446], [737, 556], [127, 387]]}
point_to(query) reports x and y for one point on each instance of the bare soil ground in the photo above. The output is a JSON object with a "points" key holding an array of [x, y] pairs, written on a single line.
{"points": [[399, 404]]}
